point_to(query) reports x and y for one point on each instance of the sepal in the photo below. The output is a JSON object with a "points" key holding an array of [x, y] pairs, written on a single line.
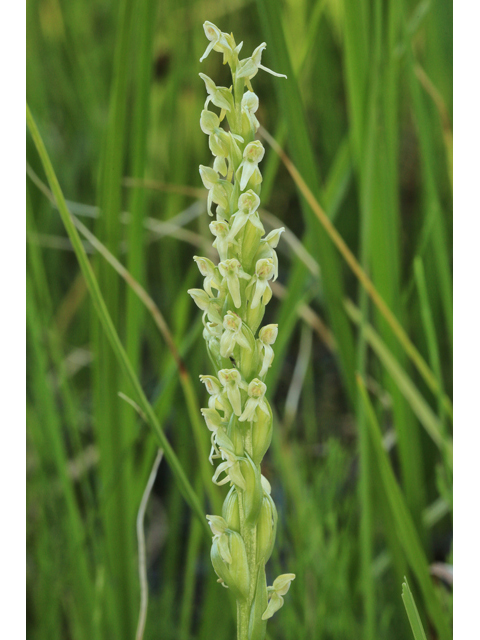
{"points": [[266, 529], [234, 574], [253, 493], [230, 510], [280, 587]]}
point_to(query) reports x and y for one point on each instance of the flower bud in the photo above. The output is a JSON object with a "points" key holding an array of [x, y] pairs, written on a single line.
{"points": [[209, 121], [235, 574], [217, 525], [266, 529], [209, 177], [219, 143], [250, 102], [262, 434], [252, 496], [230, 510]]}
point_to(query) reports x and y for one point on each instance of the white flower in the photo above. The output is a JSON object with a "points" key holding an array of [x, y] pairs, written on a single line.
{"points": [[231, 468], [252, 155], [249, 108], [215, 390], [205, 303], [264, 271], [268, 246], [218, 40], [280, 587], [219, 191], [249, 67], [220, 96], [256, 392], [219, 529], [266, 337], [232, 335], [232, 381], [248, 204], [231, 269], [209, 270], [221, 231]]}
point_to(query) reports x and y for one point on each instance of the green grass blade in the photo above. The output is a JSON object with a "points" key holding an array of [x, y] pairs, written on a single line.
{"points": [[92, 283], [416, 401], [412, 612], [406, 531], [302, 153]]}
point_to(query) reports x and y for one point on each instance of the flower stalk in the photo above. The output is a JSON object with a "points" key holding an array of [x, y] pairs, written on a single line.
{"points": [[233, 300]]}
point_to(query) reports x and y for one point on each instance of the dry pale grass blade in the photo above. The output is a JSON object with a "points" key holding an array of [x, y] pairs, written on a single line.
{"points": [[142, 553], [439, 102], [355, 266]]}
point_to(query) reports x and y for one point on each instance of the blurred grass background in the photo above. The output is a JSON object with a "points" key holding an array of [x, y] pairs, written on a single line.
{"points": [[360, 464]]}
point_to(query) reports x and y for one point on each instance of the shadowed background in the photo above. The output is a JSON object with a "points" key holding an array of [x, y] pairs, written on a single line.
{"points": [[360, 471]]}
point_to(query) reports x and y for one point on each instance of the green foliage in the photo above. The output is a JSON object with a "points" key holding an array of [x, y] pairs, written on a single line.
{"points": [[361, 479]]}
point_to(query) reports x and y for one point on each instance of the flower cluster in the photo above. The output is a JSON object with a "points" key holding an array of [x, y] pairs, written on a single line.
{"points": [[235, 292]]}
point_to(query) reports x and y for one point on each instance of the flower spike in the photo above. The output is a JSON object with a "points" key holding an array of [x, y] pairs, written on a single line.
{"points": [[235, 291]]}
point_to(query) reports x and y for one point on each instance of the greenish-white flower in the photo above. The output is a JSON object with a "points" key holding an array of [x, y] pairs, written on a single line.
{"points": [[249, 108], [207, 304], [222, 242], [264, 271], [210, 272], [279, 588], [232, 381], [221, 97], [215, 391], [248, 68], [232, 335], [248, 204], [231, 270], [256, 392], [266, 337], [231, 468], [252, 155]]}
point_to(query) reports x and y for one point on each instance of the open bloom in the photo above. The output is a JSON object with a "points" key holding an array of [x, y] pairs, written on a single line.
{"points": [[266, 337], [219, 528], [232, 381], [207, 304], [268, 246], [220, 96], [232, 270], [221, 231], [209, 270], [232, 335], [279, 588], [215, 390], [264, 271], [218, 41], [248, 68], [219, 191], [231, 468], [248, 204], [216, 424], [256, 392], [252, 155]]}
